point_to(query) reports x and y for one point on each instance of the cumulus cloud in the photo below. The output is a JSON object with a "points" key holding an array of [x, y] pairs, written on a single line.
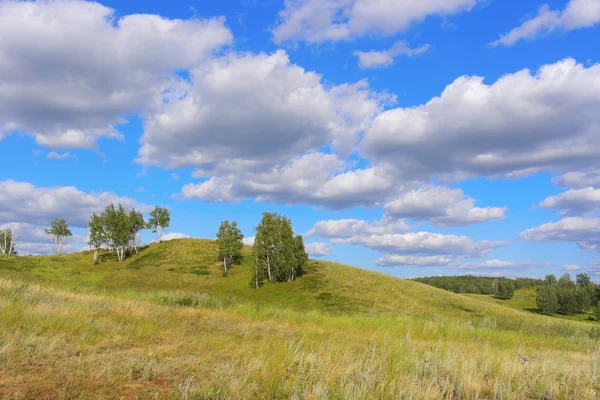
{"points": [[423, 244], [316, 178], [174, 236], [316, 21], [71, 70], [571, 268], [25, 203], [441, 206], [253, 111], [318, 249], [31, 239], [346, 228], [585, 232], [577, 14], [499, 264], [513, 127], [385, 58], [574, 201], [393, 260], [579, 180], [249, 240]]}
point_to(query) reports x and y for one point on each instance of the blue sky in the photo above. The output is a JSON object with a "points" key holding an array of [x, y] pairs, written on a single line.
{"points": [[444, 137]]}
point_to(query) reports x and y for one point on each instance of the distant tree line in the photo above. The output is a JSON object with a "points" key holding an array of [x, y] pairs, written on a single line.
{"points": [[568, 297], [501, 288]]}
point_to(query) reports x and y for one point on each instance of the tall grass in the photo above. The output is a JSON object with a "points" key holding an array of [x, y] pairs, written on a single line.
{"points": [[210, 337]]}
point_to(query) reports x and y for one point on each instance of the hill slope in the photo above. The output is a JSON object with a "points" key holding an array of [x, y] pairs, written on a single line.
{"points": [[167, 323]]}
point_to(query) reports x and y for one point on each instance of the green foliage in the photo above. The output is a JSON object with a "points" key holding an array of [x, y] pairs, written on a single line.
{"points": [[570, 297], [479, 284], [597, 311], [547, 300], [550, 280], [59, 230], [229, 240], [504, 289], [117, 229], [278, 256], [159, 221]]}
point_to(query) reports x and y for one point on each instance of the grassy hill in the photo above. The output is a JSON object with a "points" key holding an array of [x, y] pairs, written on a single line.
{"points": [[167, 324], [525, 300]]}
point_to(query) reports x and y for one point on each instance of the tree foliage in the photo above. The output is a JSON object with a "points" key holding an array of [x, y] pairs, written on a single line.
{"points": [[547, 300], [59, 230], [117, 229], [505, 289], [7, 241], [566, 297], [277, 254], [229, 240], [159, 221], [480, 284]]}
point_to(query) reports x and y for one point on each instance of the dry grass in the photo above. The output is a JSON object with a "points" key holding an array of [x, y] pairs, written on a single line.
{"points": [[337, 333]]}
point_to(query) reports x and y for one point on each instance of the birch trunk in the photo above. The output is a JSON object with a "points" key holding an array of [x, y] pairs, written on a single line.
{"points": [[269, 269]]}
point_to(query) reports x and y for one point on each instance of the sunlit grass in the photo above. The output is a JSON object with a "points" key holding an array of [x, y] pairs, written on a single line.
{"points": [[149, 327]]}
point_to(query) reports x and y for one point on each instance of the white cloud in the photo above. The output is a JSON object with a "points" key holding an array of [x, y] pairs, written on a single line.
{"points": [[249, 240], [579, 180], [174, 175], [583, 231], [346, 228], [318, 249], [577, 14], [423, 243], [499, 264], [22, 202], [255, 112], [71, 70], [317, 21], [315, 178], [31, 239], [574, 201], [53, 155], [512, 127], [385, 58], [441, 206], [174, 236], [571, 267], [389, 260]]}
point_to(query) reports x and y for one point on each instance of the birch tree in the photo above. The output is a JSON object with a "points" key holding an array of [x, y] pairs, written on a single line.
{"points": [[277, 254], [7, 241], [116, 227], [229, 240], [96, 234], [59, 230], [136, 224], [159, 221]]}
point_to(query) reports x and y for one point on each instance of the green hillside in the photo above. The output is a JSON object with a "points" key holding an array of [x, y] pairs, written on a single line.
{"points": [[167, 324]]}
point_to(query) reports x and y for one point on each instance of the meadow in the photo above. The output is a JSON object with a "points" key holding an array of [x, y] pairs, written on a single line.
{"points": [[167, 324]]}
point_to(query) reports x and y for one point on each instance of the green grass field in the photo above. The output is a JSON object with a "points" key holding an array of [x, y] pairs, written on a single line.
{"points": [[167, 324], [524, 299]]}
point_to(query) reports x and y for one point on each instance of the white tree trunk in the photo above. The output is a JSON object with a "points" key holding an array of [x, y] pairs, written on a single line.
{"points": [[95, 254], [225, 263], [12, 242], [269, 269]]}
